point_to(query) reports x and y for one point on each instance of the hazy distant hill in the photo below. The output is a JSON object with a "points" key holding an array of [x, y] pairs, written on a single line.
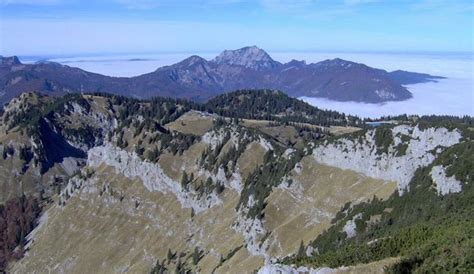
{"points": [[199, 79]]}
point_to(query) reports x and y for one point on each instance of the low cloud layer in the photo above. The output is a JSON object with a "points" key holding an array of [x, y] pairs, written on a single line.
{"points": [[452, 96]]}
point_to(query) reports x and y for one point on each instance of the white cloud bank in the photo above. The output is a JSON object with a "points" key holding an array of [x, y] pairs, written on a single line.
{"points": [[451, 96], [125, 65]]}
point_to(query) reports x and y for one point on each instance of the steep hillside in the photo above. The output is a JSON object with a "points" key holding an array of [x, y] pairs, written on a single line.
{"points": [[199, 79], [166, 185], [429, 224]]}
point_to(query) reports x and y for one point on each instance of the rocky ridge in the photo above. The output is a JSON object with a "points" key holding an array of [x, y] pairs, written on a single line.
{"points": [[409, 149], [198, 79]]}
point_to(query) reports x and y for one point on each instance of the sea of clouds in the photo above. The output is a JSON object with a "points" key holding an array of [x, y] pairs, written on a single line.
{"points": [[126, 65], [451, 96]]}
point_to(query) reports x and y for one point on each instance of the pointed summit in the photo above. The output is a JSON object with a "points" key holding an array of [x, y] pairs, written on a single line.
{"points": [[192, 60], [249, 57], [12, 60]]}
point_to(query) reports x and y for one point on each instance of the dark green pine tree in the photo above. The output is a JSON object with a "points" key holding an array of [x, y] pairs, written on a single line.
{"points": [[301, 251], [184, 180]]}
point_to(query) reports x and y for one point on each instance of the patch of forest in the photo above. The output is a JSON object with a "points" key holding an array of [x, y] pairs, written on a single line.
{"points": [[18, 217], [277, 106]]}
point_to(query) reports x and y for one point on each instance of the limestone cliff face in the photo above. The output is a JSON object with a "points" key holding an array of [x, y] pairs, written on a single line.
{"points": [[444, 184], [152, 176], [411, 148]]}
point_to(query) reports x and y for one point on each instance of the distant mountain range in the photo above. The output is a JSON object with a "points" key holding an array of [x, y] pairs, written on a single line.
{"points": [[198, 79]]}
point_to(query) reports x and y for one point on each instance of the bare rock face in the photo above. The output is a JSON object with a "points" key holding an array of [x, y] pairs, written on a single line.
{"points": [[152, 176], [444, 184], [401, 158], [249, 57]]}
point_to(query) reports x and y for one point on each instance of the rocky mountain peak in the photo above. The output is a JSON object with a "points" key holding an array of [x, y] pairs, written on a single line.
{"points": [[249, 57], [192, 60], [338, 62], [12, 60]]}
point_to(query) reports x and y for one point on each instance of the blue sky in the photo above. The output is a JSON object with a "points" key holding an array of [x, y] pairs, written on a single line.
{"points": [[68, 27]]}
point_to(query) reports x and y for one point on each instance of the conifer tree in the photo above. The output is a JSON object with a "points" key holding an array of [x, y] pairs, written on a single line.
{"points": [[301, 251], [170, 255], [184, 180], [196, 255]]}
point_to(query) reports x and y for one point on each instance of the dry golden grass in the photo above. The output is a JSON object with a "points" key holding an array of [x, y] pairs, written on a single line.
{"points": [[109, 234], [316, 195], [250, 159], [284, 134], [370, 268], [225, 148], [241, 262], [252, 123], [192, 122], [173, 165], [337, 130]]}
